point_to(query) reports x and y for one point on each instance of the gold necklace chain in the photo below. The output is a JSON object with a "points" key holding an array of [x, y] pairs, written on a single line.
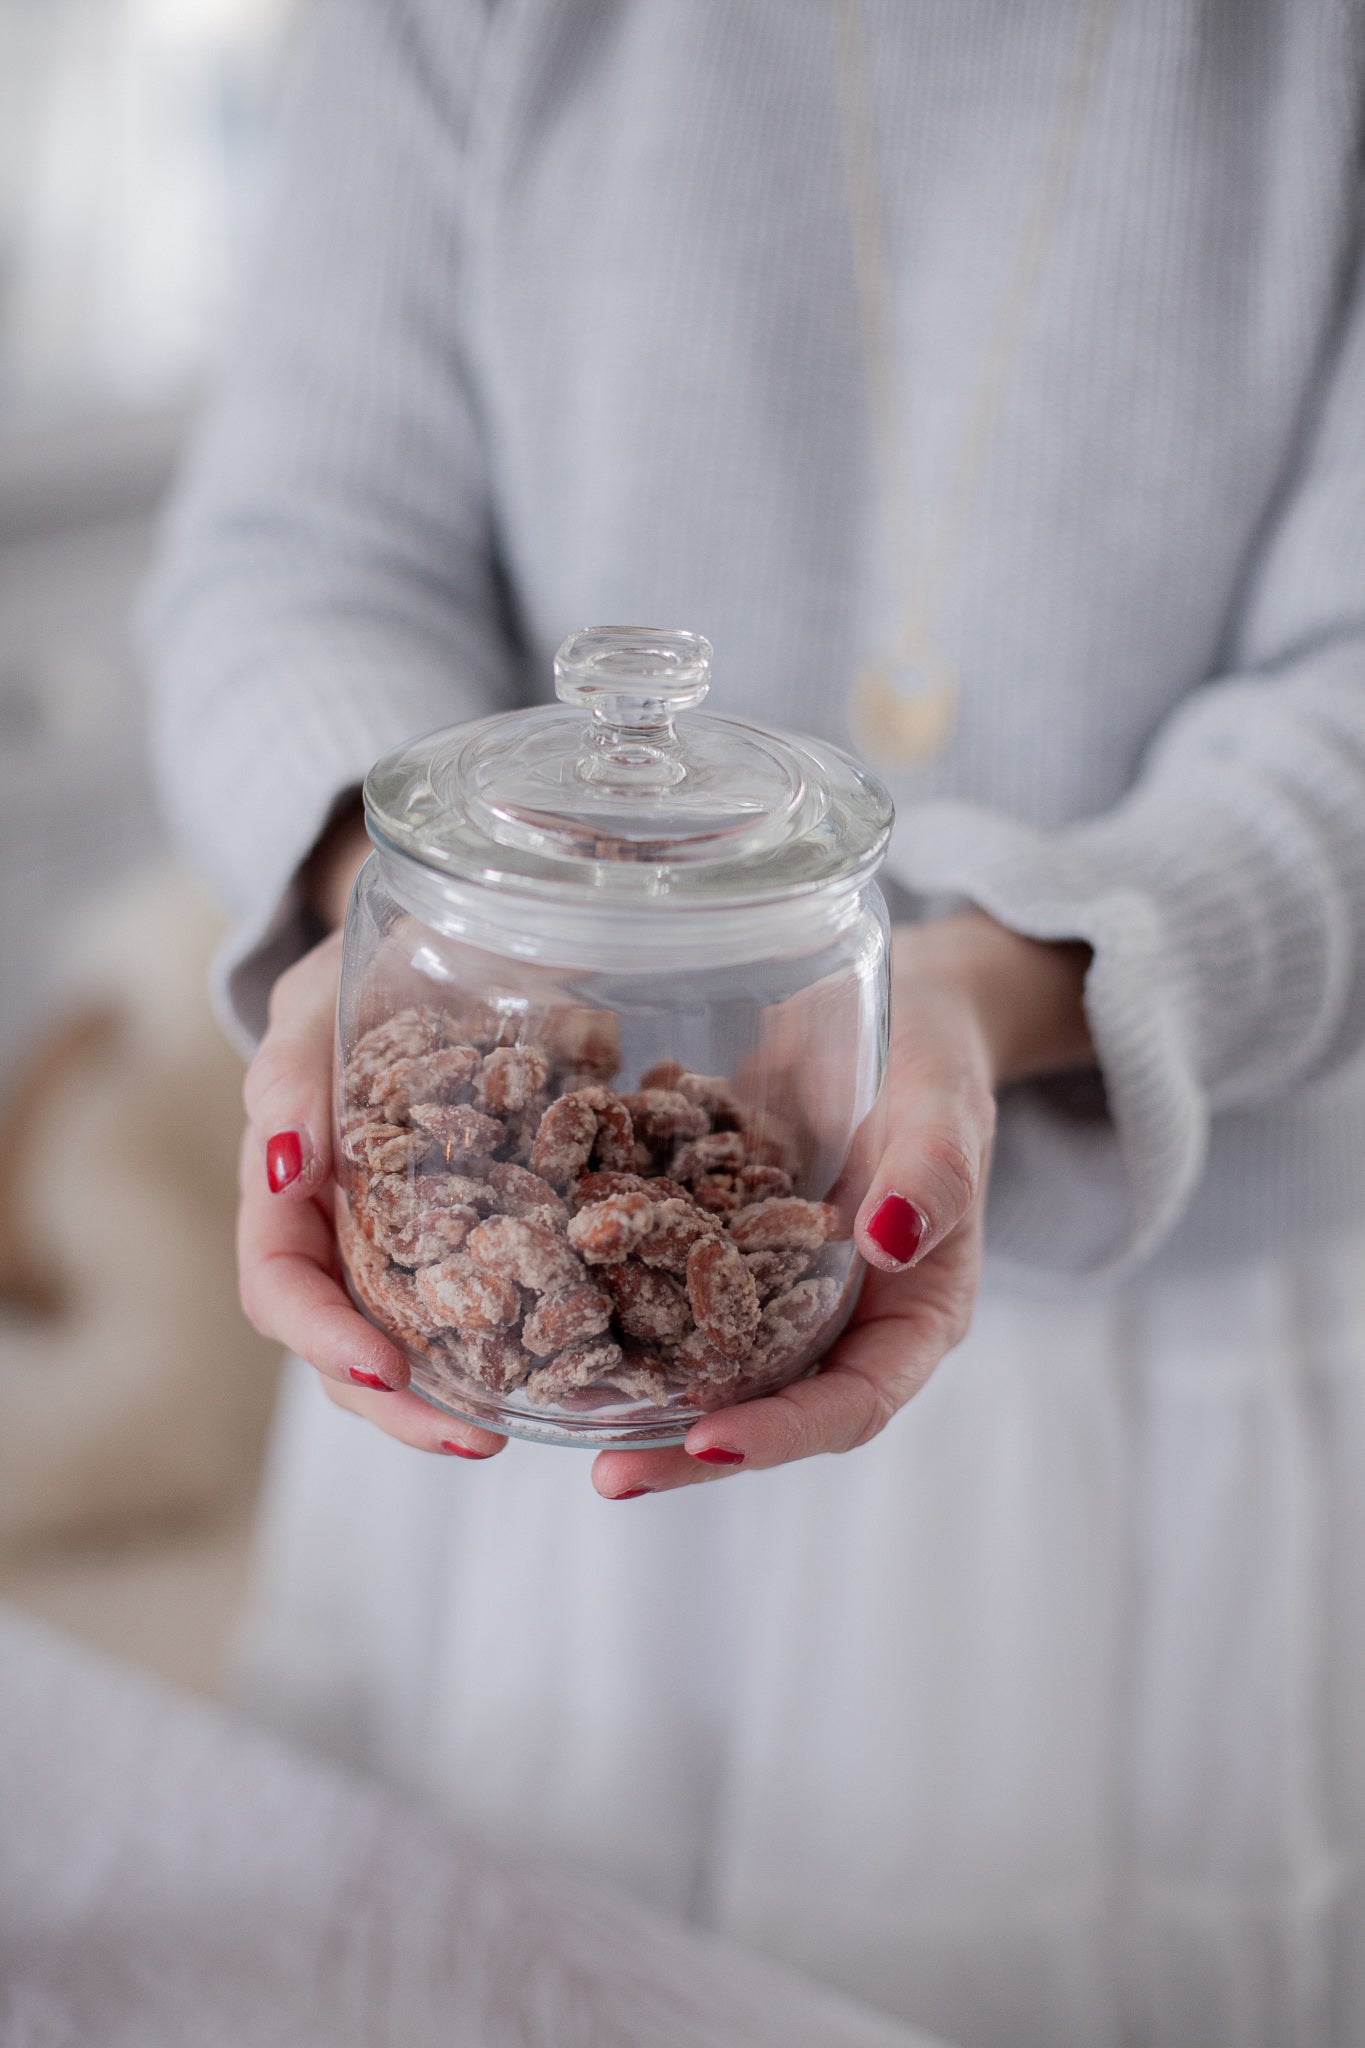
{"points": [[904, 708]]}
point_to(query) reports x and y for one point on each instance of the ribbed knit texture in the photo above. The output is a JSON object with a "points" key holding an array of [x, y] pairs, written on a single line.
{"points": [[556, 324]]}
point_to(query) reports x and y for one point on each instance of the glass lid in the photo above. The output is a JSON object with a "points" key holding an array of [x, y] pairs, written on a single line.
{"points": [[605, 793]]}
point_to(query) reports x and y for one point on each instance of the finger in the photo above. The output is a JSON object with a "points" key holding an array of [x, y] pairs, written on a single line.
{"points": [[929, 1175], [906, 1324], [288, 1273], [625, 1475], [411, 1420], [875, 1368], [286, 1270], [288, 1086], [288, 1264]]}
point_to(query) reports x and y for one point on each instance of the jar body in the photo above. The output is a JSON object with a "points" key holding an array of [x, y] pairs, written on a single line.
{"points": [[598, 1167]]}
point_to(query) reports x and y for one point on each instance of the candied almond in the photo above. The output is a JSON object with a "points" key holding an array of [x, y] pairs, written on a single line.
{"points": [[783, 1222], [660, 1114], [564, 1141], [716, 1192], [775, 1271], [724, 1298], [391, 1299], [403, 1036], [792, 1323], [386, 1148], [384, 1290], [606, 1231], [565, 1318], [677, 1226], [526, 1252], [465, 1296], [718, 1152], [649, 1305], [403, 1313], [581, 1365], [555, 1220], [461, 1132], [427, 1238], [497, 1361], [757, 1183], [640, 1378], [663, 1074], [390, 1201], [484, 1026], [518, 1190], [522, 1126], [440, 1076], [705, 1374], [596, 1186], [466, 1189], [509, 1077], [713, 1095], [614, 1145]]}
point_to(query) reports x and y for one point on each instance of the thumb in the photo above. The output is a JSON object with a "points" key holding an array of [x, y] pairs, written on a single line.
{"points": [[928, 1178], [288, 1086]]}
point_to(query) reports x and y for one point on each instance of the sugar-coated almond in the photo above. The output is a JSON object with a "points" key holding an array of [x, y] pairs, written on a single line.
{"points": [[724, 1298]]}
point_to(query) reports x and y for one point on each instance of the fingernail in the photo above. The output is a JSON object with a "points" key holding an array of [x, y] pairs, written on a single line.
{"points": [[716, 1456], [283, 1159], [631, 1493], [370, 1379], [896, 1227], [463, 1450]]}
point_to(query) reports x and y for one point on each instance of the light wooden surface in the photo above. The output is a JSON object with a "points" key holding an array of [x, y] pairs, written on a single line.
{"points": [[173, 1878]]}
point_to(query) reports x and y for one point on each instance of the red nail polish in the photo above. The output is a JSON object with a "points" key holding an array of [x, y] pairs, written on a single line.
{"points": [[463, 1450], [283, 1159], [897, 1227], [717, 1456], [370, 1379], [631, 1493]]}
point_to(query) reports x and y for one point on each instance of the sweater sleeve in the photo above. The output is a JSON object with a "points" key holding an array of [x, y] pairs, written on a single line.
{"points": [[1224, 897], [328, 584]]}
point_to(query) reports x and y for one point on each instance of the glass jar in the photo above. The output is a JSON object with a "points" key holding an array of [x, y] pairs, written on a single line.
{"points": [[612, 1026]]}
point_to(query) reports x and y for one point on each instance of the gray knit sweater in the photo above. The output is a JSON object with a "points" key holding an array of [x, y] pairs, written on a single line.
{"points": [[556, 323]]}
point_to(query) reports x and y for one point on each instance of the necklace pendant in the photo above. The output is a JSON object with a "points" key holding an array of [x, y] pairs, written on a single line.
{"points": [[903, 714]]}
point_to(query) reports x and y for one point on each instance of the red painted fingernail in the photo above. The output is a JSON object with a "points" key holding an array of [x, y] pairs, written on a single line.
{"points": [[716, 1456], [370, 1379], [283, 1159], [897, 1227], [463, 1450], [631, 1493]]}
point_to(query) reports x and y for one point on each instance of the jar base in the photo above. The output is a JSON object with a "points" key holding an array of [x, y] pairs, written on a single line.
{"points": [[646, 1428], [565, 1432]]}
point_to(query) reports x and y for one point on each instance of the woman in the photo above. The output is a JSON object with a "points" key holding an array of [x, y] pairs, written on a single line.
{"points": [[989, 385]]}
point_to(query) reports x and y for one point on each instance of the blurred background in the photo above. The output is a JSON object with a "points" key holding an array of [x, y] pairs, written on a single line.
{"points": [[133, 1397]]}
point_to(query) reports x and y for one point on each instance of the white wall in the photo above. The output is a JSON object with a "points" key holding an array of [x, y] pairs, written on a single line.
{"points": [[135, 134], [132, 137]]}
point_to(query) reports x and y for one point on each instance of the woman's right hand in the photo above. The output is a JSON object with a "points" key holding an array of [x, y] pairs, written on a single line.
{"points": [[289, 1269]]}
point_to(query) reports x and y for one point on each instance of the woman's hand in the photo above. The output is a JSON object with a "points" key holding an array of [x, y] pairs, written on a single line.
{"points": [[288, 1266], [975, 1007]]}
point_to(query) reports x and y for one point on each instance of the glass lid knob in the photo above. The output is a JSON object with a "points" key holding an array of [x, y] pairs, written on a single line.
{"points": [[634, 681]]}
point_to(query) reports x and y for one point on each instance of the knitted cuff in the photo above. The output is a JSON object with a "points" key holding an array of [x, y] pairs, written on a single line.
{"points": [[1074, 1194]]}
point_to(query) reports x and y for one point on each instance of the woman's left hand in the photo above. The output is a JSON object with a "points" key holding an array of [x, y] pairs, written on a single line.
{"points": [[974, 1006]]}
